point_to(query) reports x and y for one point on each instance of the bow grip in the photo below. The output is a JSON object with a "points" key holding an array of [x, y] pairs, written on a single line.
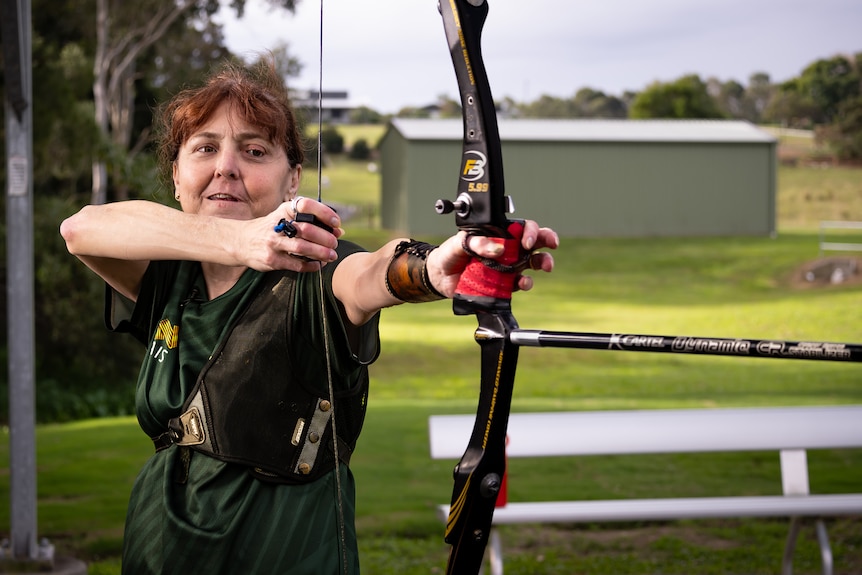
{"points": [[493, 281]]}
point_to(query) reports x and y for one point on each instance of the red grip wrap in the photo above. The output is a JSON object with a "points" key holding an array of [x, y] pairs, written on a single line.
{"points": [[480, 280]]}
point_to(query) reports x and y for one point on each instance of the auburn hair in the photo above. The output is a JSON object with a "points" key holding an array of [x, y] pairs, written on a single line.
{"points": [[256, 93]]}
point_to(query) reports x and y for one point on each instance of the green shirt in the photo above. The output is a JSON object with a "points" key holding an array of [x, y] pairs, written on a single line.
{"points": [[191, 513]]}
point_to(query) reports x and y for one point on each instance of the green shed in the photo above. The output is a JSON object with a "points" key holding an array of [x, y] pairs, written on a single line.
{"points": [[594, 178]]}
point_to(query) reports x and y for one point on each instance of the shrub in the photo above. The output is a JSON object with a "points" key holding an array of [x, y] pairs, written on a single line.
{"points": [[333, 141], [360, 150]]}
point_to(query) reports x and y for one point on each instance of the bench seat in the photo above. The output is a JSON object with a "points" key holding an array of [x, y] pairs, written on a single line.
{"points": [[790, 431], [671, 509]]}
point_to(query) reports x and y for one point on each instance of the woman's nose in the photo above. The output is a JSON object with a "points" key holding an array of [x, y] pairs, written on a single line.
{"points": [[227, 165]]}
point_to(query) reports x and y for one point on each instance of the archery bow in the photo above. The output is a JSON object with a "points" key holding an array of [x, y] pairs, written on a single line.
{"points": [[485, 289]]}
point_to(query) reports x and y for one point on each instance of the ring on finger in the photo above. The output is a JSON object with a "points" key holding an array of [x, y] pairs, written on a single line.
{"points": [[294, 205]]}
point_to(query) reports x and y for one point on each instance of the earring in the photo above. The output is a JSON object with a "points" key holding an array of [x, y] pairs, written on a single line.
{"points": [[177, 197]]}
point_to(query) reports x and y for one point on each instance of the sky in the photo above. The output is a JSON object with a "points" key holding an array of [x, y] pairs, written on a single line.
{"points": [[389, 54]]}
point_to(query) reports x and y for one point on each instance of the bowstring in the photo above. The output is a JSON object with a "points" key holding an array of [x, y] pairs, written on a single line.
{"points": [[340, 523]]}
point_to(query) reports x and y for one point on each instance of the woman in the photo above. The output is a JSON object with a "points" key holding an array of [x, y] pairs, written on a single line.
{"points": [[245, 350]]}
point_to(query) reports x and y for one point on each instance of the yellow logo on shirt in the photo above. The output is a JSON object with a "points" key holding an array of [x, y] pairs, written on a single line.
{"points": [[169, 333]]}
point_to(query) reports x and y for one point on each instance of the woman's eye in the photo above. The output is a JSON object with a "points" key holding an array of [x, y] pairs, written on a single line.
{"points": [[206, 148], [256, 153]]}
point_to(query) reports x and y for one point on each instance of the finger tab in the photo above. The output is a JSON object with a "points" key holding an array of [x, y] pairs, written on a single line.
{"points": [[312, 219]]}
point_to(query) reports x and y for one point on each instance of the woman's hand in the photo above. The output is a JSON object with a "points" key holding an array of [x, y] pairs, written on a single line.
{"points": [[280, 240], [447, 262]]}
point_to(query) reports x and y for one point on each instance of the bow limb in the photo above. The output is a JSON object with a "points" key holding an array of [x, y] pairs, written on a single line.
{"points": [[479, 474], [481, 204], [484, 290]]}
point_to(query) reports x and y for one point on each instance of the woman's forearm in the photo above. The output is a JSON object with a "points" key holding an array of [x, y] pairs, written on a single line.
{"points": [[140, 230]]}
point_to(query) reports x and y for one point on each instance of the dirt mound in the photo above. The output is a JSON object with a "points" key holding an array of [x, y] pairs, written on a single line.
{"points": [[831, 271]]}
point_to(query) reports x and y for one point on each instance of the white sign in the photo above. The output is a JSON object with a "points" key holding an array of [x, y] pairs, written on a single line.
{"points": [[18, 175]]}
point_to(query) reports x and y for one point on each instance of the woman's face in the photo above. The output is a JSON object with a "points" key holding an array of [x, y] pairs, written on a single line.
{"points": [[230, 169]]}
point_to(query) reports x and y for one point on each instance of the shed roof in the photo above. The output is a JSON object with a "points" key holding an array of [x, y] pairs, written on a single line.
{"points": [[589, 130]]}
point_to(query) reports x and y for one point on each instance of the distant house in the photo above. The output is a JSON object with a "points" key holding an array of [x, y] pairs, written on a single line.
{"points": [[594, 178], [336, 106], [431, 111]]}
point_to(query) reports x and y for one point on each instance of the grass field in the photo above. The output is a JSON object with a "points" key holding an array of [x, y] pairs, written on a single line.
{"points": [[743, 287]]}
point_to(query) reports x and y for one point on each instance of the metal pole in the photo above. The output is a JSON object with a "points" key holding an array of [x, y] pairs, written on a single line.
{"points": [[19, 283]]}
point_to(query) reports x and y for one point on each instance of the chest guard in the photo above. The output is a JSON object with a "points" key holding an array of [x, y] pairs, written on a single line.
{"points": [[257, 404]]}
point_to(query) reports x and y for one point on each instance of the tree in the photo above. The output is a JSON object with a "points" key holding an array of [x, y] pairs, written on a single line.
{"points": [[119, 43], [508, 108], [817, 94], [69, 315], [728, 96], [332, 140], [413, 112], [845, 134], [82, 369], [686, 97], [365, 115], [360, 150], [590, 103], [757, 96], [286, 65], [829, 83], [63, 129], [124, 32], [550, 107], [791, 109], [448, 108]]}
